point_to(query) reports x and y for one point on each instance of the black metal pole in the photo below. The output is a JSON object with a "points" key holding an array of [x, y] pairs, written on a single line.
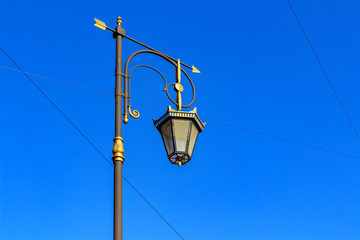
{"points": [[118, 150]]}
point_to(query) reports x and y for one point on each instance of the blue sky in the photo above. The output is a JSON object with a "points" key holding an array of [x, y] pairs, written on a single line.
{"points": [[257, 73]]}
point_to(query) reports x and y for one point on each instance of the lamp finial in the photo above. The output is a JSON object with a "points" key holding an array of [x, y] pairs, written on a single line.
{"points": [[119, 21]]}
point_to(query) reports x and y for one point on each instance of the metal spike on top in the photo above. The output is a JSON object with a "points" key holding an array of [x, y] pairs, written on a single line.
{"points": [[119, 21], [178, 87]]}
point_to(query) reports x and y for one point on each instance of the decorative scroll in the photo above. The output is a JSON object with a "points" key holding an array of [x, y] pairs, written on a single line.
{"points": [[177, 86]]}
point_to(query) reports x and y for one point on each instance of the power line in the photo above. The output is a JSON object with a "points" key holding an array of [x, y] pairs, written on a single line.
{"points": [[216, 122], [58, 81], [153, 208], [322, 68], [57, 108], [74, 85], [286, 140], [83, 135]]}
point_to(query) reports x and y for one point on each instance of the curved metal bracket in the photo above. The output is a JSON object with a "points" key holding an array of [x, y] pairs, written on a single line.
{"points": [[177, 86], [147, 66]]}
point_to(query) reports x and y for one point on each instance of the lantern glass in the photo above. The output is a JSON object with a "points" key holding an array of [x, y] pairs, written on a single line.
{"points": [[193, 137], [181, 133], [166, 132]]}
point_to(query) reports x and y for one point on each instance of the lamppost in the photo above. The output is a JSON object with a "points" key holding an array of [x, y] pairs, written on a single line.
{"points": [[179, 129]]}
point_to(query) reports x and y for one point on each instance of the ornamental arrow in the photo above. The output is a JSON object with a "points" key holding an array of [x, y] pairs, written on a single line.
{"points": [[102, 25], [194, 70]]}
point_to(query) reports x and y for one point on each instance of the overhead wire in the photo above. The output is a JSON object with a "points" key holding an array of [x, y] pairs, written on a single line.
{"points": [[220, 123], [154, 209], [57, 108], [286, 140], [82, 134], [323, 70], [57, 81], [209, 120], [104, 157]]}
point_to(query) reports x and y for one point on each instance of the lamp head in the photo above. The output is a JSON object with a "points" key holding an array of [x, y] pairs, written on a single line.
{"points": [[179, 131]]}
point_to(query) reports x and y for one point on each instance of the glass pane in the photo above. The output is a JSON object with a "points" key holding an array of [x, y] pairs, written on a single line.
{"points": [[167, 137], [181, 130], [193, 136]]}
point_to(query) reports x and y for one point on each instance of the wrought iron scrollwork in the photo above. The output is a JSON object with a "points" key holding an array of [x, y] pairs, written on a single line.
{"points": [[177, 86]]}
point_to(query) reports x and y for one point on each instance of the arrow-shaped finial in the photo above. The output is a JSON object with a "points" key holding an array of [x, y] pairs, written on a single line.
{"points": [[194, 70], [99, 24]]}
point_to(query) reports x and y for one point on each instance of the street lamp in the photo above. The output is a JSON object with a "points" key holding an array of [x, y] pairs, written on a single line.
{"points": [[179, 129]]}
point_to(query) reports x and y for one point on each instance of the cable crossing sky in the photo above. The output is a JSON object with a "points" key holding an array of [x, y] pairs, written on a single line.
{"points": [[209, 120], [88, 140], [326, 75]]}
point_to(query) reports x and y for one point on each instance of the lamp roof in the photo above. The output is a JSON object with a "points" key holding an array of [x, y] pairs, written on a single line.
{"points": [[171, 113]]}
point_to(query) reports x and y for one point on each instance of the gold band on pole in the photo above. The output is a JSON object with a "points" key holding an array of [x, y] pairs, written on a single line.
{"points": [[118, 149]]}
